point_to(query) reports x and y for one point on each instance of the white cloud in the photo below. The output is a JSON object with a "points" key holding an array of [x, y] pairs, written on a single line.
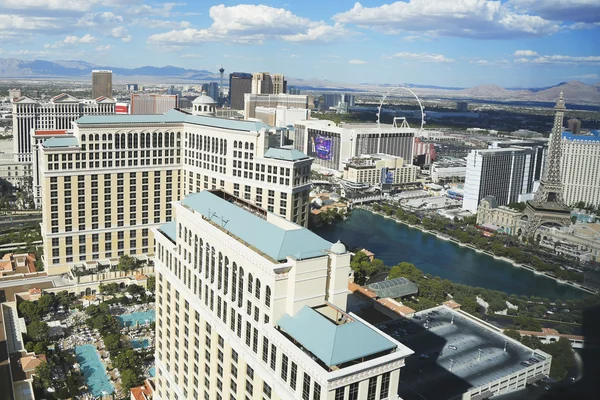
{"points": [[561, 60], [587, 76], [104, 48], [193, 55], [151, 23], [163, 10], [561, 10], [479, 62], [357, 62], [99, 19], [421, 57], [479, 19], [247, 23], [70, 6], [120, 32], [17, 22], [525, 53], [72, 41]]}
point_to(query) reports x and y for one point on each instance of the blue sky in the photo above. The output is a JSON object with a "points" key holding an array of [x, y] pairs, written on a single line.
{"points": [[439, 42]]}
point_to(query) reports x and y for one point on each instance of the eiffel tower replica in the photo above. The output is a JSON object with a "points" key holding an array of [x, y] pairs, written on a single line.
{"points": [[548, 206]]}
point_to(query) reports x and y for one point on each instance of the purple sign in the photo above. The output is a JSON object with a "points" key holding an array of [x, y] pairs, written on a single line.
{"points": [[322, 147]]}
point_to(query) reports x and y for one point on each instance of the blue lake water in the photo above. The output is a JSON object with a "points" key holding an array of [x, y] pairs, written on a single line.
{"points": [[93, 370], [143, 317], [393, 243]]}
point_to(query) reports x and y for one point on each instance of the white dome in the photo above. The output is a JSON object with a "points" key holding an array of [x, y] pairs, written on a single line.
{"points": [[204, 99], [338, 248]]}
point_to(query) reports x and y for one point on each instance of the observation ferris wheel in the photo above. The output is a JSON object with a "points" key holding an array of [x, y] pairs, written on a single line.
{"points": [[404, 123]]}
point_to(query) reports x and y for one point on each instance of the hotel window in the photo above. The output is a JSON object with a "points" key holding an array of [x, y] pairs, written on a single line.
{"points": [[385, 385], [340, 393], [317, 392], [294, 375], [353, 394], [284, 367], [267, 390], [306, 387]]}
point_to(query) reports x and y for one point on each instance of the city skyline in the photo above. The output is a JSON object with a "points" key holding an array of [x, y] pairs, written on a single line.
{"points": [[463, 43]]}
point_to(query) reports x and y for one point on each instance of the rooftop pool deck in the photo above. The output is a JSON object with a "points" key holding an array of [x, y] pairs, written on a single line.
{"points": [[141, 317], [93, 371]]}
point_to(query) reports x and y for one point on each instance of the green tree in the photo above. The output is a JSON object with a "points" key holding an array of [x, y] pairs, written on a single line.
{"points": [[376, 207], [44, 375], [511, 333], [128, 263], [129, 359], [135, 290], [112, 341], [46, 303], [38, 330], [129, 379], [40, 348], [30, 310], [151, 283]]}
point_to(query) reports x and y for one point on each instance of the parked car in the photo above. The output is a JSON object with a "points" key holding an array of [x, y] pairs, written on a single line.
{"points": [[452, 347], [423, 356], [533, 360]]}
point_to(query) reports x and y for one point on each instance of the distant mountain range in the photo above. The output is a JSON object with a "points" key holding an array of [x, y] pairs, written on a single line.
{"points": [[575, 92], [15, 68]]}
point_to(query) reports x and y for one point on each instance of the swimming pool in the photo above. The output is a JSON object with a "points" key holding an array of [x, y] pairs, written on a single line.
{"points": [[140, 343], [152, 372], [93, 370], [142, 317]]}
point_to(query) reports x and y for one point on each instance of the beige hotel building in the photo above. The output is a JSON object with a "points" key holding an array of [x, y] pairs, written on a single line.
{"points": [[251, 306], [106, 186]]}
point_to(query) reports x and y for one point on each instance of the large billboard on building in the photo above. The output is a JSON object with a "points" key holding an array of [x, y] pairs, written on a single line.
{"points": [[321, 147], [121, 108], [387, 176]]}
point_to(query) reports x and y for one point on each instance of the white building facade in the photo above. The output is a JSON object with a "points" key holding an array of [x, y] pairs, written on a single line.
{"points": [[580, 163], [114, 178], [58, 113], [504, 173], [332, 144], [258, 314]]}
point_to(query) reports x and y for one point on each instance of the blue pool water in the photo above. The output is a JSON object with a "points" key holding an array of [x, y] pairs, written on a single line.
{"points": [[152, 372], [93, 370], [141, 317], [140, 343]]}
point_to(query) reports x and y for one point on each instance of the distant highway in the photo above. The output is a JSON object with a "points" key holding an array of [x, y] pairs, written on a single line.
{"points": [[19, 220]]}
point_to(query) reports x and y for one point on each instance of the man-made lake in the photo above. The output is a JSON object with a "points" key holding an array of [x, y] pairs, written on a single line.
{"points": [[393, 243]]}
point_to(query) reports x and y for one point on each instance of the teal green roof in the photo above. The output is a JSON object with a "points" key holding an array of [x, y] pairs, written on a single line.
{"points": [[285, 154], [276, 242], [333, 344], [169, 229], [61, 142], [173, 117]]}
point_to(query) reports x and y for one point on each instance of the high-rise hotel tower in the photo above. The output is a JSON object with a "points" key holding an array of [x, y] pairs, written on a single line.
{"points": [[105, 186], [251, 306]]}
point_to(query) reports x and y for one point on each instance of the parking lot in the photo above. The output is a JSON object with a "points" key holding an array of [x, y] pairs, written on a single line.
{"points": [[452, 354]]}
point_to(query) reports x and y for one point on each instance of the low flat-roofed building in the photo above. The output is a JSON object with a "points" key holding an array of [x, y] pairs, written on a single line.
{"points": [[378, 169], [458, 356], [507, 219]]}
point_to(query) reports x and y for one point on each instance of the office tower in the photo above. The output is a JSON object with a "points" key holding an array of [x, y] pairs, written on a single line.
{"points": [[574, 125], [266, 83], [251, 101], [213, 90], [115, 177], [548, 204], [579, 168], [132, 87], [423, 152], [332, 144], [462, 106], [57, 114], [152, 104], [331, 100], [101, 83], [14, 93], [240, 83], [504, 173], [294, 90], [349, 99], [259, 313]]}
